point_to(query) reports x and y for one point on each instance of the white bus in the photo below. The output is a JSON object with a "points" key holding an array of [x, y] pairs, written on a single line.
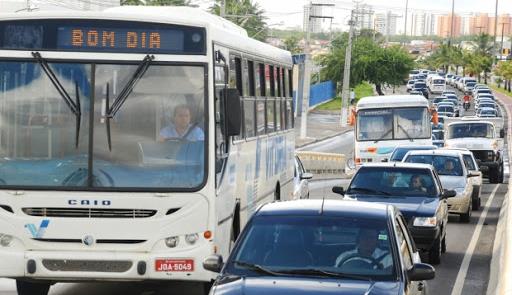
{"points": [[135, 142], [436, 84], [385, 122]]}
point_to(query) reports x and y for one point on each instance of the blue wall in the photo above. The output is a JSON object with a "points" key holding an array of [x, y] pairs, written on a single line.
{"points": [[321, 92]]}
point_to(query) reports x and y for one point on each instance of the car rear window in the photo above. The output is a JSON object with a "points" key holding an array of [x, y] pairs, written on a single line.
{"points": [[444, 165]]}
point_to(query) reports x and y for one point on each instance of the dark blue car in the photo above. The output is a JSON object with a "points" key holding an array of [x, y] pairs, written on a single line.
{"points": [[322, 247], [416, 190]]}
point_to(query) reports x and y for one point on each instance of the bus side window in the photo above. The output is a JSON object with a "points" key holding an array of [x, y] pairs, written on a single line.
{"points": [[220, 140], [235, 81]]}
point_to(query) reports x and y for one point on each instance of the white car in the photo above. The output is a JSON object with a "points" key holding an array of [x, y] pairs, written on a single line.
{"points": [[301, 181], [472, 165], [410, 85], [487, 113], [453, 174]]}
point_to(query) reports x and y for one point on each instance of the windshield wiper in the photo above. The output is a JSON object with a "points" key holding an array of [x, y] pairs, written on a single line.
{"points": [[384, 135], [256, 267], [74, 106], [369, 190], [111, 111], [406, 133], [319, 272]]}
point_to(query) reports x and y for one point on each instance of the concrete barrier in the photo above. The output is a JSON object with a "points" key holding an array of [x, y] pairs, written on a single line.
{"points": [[501, 262], [324, 164]]}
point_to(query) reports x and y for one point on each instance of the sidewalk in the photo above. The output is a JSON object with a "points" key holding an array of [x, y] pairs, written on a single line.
{"points": [[321, 125]]}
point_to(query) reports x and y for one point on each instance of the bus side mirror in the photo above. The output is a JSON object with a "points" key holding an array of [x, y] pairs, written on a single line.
{"points": [[233, 112], [502, 133]]}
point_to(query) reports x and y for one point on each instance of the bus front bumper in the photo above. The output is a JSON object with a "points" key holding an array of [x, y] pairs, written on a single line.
{"points": [[104, 266]]}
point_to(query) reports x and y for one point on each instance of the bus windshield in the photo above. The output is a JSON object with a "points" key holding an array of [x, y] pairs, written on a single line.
{"points": [[155, 140], [389, 124]]}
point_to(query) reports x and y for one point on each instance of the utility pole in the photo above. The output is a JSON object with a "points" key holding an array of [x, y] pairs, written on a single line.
{"points": [[306, 81], [495, 25], [222, 8], [346, 74]]}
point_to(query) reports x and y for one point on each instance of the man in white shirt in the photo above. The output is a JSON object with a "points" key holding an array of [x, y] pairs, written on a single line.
{"points": [[181, 128], [367, 250]]}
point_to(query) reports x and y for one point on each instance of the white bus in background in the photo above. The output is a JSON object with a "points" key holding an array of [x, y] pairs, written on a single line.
{"points": [[436, 84], [135, 142], [385, 122]]}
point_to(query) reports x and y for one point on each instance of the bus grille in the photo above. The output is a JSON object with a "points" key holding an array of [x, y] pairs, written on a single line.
{"points": [[87, 265], [89, 212]]}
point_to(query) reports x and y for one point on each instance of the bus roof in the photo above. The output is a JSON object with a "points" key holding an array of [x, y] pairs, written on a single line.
{"points": [[378, 102], [219, 29]]}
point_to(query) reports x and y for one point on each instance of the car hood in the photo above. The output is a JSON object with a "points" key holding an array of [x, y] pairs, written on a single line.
{"points": [[471, 143], [451, 182], [301, 286], [409, 206]]}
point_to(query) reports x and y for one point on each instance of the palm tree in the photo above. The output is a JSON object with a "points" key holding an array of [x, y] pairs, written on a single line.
{"points": [[483, 44]]}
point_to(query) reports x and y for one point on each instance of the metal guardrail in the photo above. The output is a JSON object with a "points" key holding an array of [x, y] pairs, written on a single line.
{"points": [[323, 163]]}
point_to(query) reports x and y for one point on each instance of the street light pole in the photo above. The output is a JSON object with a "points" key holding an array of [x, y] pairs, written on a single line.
{"points": [[346, 74], [495, 25], [405, 23], [452, 23]]}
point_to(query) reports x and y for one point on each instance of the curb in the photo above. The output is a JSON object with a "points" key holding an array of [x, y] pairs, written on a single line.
{"points": [[322, 139]]}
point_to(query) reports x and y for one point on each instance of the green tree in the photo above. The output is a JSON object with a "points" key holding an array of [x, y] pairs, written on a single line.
{"points": [[292, 44], [246, 14]]}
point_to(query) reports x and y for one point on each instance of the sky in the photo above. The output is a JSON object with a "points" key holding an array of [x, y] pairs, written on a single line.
{"points": [[289, 13]]}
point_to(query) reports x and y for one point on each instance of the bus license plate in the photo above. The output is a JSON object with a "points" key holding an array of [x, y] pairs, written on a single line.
{"points": [[174, 265]]}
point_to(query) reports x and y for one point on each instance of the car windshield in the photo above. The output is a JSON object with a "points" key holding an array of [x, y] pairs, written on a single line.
{"points": [[312, 245], [444, 165], [470, 130], [153, 139], [399, 153], [393, 181], [385, 124]]}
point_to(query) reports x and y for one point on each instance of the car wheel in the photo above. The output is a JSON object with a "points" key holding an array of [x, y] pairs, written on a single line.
{"points": [[434, 255], [476, 199], [466, 217], [31, 288], [501, 171], [443, 245]]}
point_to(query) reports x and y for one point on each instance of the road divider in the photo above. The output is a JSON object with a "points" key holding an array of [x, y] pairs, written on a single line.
{"points": [[501, 263], [325, 165]]}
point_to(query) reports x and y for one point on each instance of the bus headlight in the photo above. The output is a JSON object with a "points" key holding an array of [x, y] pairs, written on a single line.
{"points": [[191, 239], [5, 240], [172, 242]]}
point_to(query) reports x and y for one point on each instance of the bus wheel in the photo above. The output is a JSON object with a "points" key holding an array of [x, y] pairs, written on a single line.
{"points": [[277, 193], [31, 288], [206, 287]]}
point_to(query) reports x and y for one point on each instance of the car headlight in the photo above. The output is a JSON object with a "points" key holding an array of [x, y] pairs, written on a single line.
{"points": [[425, 221]]}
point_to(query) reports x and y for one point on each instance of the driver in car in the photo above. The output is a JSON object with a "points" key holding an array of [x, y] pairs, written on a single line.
{"points": [[448, 168], [180, 127], [367, 251]]}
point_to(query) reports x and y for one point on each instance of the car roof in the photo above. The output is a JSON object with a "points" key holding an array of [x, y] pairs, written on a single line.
{"points": [[416, 147], [325, 207], [464, 151], [397, 165], [439, 152]]}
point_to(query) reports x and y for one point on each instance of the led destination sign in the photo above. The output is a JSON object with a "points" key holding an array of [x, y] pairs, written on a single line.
{"points": [[102, 36]]}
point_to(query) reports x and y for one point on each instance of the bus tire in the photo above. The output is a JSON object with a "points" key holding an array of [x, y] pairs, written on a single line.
{"points": [[277, 192], [206, 287], [32, 288]]}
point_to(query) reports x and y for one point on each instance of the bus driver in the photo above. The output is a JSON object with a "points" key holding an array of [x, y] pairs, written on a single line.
{"points": [[180, 127]]}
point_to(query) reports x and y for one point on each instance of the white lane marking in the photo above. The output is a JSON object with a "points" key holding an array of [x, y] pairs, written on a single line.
{"points": [[463, 271]]}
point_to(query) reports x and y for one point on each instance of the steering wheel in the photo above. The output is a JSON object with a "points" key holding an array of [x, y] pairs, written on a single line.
{"points": [[374, 263]]}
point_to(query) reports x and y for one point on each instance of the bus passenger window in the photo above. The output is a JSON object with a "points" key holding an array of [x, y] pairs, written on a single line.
{"points": [[290, 83], [271, 114], [261, 77], [235, 74], [260, 117], [277, 76], [250, 78], [278, 114], [249, 116], [271, 78]]}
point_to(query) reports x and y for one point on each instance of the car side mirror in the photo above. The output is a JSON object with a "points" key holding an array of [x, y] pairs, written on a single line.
{"points": [[448, 194], [233, 112], [421, 271], [502, 133], [338, 190], [306, 175], [213, 263]]}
